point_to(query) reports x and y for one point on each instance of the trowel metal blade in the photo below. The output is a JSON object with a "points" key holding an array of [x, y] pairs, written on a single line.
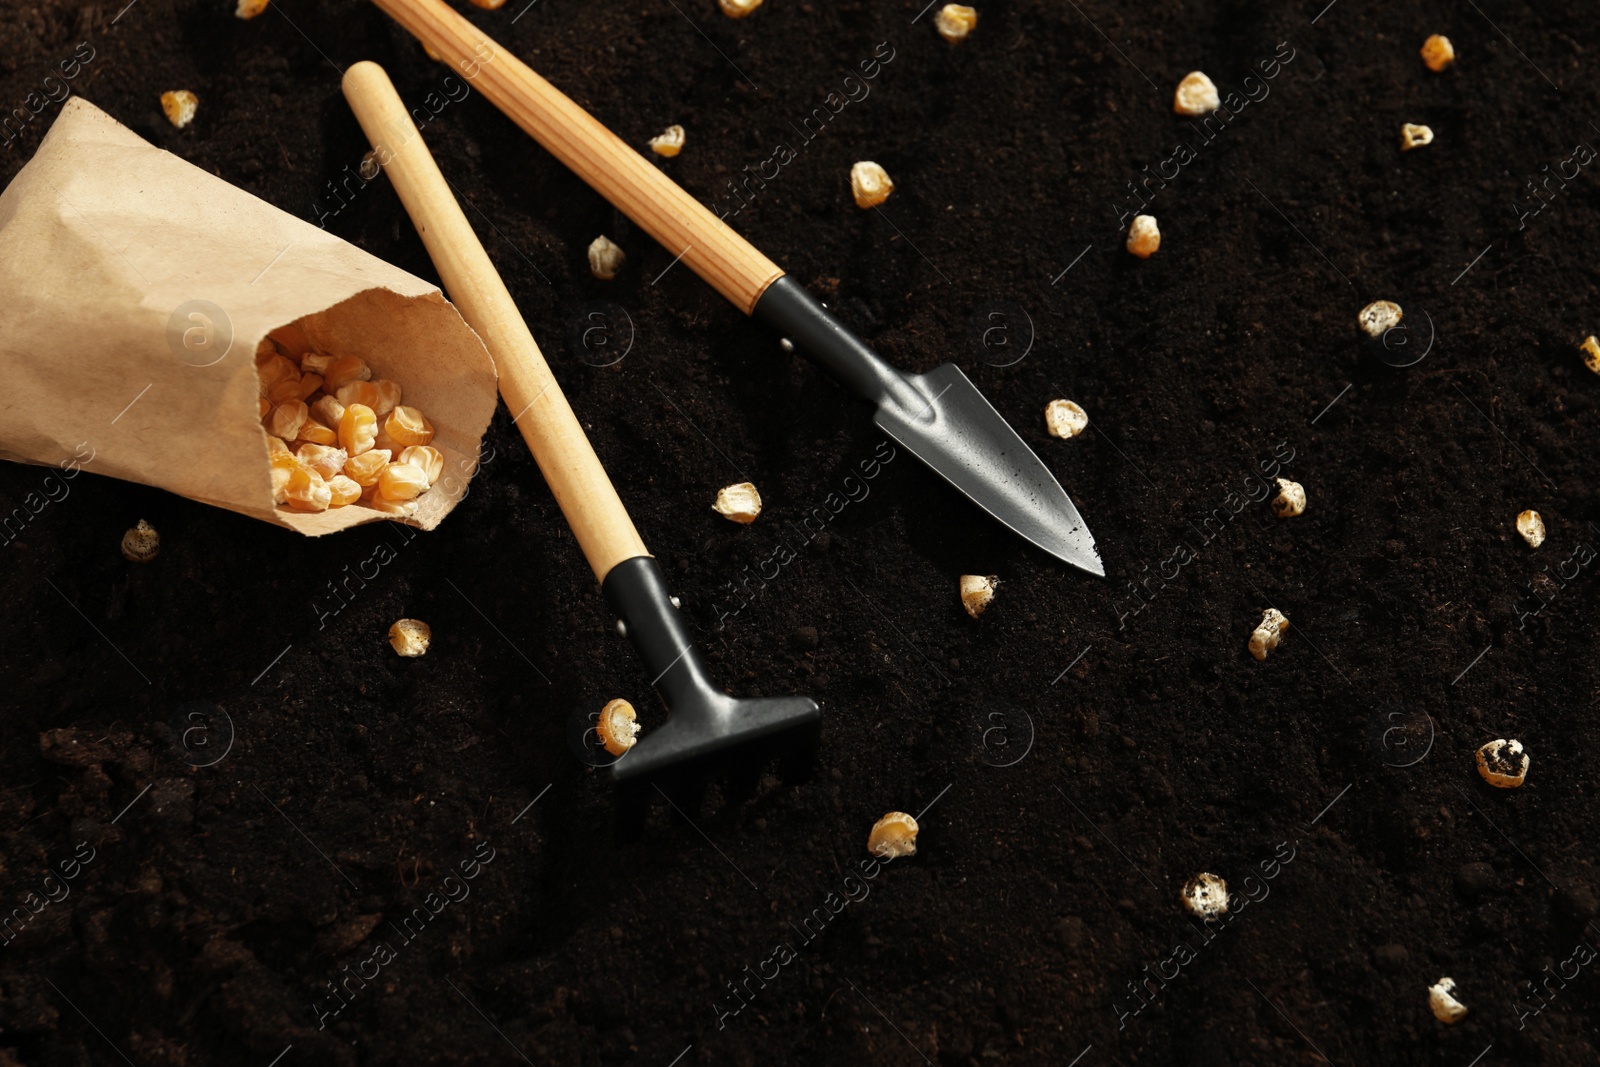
{"points": [[962, 437]]}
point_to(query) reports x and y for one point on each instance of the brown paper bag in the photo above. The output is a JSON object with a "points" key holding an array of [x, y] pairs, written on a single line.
{"points": [[137, 288]]}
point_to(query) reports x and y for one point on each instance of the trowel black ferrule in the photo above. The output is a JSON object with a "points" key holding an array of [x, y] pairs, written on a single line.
{"points": [[796, 314]]}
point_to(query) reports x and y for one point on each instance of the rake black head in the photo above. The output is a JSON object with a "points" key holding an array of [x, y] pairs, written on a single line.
{"points": [[707, 731]]}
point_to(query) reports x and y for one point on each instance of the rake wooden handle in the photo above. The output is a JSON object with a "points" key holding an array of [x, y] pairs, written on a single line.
{"points": [[573, 471], [686, 228]]}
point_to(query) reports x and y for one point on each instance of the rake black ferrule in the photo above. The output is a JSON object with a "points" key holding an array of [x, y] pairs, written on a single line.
{"points": [[703, 722], [796, 314]]}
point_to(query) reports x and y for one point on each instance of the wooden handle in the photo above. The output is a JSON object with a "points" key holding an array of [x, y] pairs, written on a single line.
{"points": [[557, 441], [705, 243]]}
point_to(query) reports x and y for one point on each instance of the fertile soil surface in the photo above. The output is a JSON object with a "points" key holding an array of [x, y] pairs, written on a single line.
{"points": [[222, 798]]}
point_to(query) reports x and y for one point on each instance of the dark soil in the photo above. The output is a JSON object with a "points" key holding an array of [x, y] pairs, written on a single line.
{"points": [[216, 911]]}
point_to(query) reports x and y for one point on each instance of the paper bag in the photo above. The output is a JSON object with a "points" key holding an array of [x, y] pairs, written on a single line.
{"points": [[136, 290]]}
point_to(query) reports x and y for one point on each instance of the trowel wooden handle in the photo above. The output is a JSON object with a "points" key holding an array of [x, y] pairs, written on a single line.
{"points": [[557, 441], [685, 228]]}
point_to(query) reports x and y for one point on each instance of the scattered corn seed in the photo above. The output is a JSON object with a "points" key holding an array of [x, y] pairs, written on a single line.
{"points": [[1291, 499], [342, 371], [324, 459], [893, 836], [365, 468], [427, 459], [342, 490], [738, 9], [669, 142], [1531, 526], [870, 184], [605, 258], [388, 396], [141, 543], [406, 426], [179, 105], [1438, 53], [1205, 895], [307, 491], [402, 481], [1414, 136], [955, 21], [328, 411], [490, 5], [1196, 95], [1063, 418], [1266, 636], [410, 637], [1446, 1008], [1591, 353], [976, 592], [1379, 317], [1144, 236], [358, 429], [315, 433], [358, 392], [249, 9], [285, 419], [618, 727], [739, 502], [1503, 764]]}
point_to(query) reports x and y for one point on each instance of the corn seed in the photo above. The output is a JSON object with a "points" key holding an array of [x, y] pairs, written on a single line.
{"points": [[738, 9], [976, 592], [358, 429], [893, 836], [1441, 999], [342, 371], [1414, 136], [1196, 95], [870, 184], [323, 459], [1438, 53], [315, 433], [1205, 896], [141, 543], [1144, 236], [343, 490], [955, 21], [307, 491], [669, 142], [739, 502], [1503, 764], [407, 426], [410, 637], [605, 258], [1290, 501], [618, 727], [179, 106], [249, 9], [1591, 353], [401, 481], [1530, 524], [1063, 418], [284, 420], [427, 459], [1268, 634], [365, 468]]}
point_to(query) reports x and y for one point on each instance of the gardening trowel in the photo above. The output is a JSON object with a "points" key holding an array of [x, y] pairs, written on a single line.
{"points": [[939, 416], [705, 724]]}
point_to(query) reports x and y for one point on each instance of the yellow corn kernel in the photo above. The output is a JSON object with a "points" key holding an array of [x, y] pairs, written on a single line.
{"points": [[314, 432], [365, 468], [1144, 236], [669, 142], [323, 459], [285, 390], [277, 447], [1591, 353], [618, 727], [307, 491], [263, 406], [401, 481], [342, 491], [276, 369], [1438, 53], [249, 9], [388, 394], [407, 426], [315, 363], [309, 384], [955, 21], [869, 184], [142, 543], [342, 371], [281, 465], [265, 351], [358, 392], [425, 458], [180, 106], [358, 429], [327, 410], [285, 420], [893, 836], [410, 637]]}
